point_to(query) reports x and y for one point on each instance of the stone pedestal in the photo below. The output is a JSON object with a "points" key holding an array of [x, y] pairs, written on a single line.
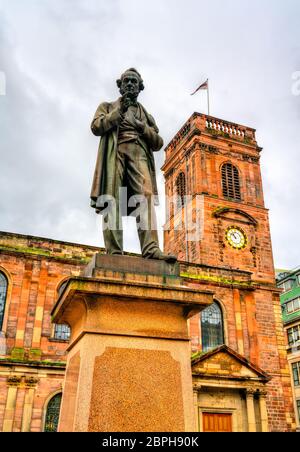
{"points": [[129, 366]]}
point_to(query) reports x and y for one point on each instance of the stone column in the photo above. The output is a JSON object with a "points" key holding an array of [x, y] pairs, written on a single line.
{"points": [[196, 406], [263, 411], [30, 384], [250, 410], [13, 382], [129, 360]]}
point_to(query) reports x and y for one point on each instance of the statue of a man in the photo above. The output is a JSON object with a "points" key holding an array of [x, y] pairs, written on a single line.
{"points": [[129, 136]]}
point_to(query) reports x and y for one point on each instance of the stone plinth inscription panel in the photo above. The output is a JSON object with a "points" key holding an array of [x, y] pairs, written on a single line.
{"points": [[136, 390]]}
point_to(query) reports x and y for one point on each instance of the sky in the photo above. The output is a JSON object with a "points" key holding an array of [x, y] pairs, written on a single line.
{"points": [[61, 58]]}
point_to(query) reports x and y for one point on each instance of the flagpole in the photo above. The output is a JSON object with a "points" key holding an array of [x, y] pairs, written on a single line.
{"points": [[204, 86], [208, 105]]}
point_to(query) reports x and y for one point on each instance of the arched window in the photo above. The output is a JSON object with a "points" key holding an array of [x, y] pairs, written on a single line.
{"points": [[62, 332], [212, 327], [181, 189], [231, 182], [3, 294], [52, 413]]}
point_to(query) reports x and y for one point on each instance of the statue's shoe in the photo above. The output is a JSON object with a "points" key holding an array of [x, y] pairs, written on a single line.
{"points": [[159, 255]]}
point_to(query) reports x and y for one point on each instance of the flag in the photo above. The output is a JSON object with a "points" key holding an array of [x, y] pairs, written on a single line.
{"points": [[203, 86]]}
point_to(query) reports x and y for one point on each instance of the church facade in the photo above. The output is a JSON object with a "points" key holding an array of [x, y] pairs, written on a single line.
{"points": [[241, 377]]}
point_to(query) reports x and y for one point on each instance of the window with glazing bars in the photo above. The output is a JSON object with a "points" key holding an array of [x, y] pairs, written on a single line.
{"points": [[181, 189], [231, 182], [62, 332], [288, 285], [298, 409], [296, 373], [212, 327], [294, 335], [3, 294], [52, 414], [293, 306]]}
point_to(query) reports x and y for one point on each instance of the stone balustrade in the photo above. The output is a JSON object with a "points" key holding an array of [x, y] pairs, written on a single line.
{"points": [[225, 127], [209, 124]]}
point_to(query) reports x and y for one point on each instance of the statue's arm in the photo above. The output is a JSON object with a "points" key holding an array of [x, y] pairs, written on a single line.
{"points": [[153, 139], [104, 120], [151, 135]]}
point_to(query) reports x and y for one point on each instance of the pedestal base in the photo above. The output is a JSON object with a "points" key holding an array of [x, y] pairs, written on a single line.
{"points": [[128, 365]]}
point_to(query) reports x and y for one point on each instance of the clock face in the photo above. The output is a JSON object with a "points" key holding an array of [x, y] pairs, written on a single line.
{"points": [[236, 238]]}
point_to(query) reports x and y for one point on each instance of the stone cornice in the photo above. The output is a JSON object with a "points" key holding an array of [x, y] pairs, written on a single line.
{"points": [[32, 364]]}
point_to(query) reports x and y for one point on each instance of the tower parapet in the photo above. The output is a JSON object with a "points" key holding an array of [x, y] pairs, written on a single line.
{"points": [[201, 124]]}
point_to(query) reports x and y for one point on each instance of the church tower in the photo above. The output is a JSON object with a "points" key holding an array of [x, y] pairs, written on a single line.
{"points": [[218, 225], [219, 163]]}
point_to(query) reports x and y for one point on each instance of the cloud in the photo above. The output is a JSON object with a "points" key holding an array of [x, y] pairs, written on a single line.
{"points": [[60, 62]]}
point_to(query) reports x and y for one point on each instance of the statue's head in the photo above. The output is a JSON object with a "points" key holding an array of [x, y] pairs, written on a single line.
{"points": [[130, 83]]}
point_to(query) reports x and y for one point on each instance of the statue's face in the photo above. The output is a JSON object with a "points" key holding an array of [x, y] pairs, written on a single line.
{"points": [[130, 84]]}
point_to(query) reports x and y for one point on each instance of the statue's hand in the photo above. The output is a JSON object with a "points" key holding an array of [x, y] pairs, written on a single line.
{"points": [[140, 126], [125, 104], [126, 101]]}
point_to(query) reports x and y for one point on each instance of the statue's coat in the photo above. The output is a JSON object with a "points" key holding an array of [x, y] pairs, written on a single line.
{"points": [[105, 124]]}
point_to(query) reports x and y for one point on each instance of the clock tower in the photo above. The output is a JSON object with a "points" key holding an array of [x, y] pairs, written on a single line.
{"points": [[213, 166], [218, 225]]}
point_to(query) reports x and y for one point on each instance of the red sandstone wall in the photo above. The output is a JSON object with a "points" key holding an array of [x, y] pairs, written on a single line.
{"points": [[252, 317], [253, 328], [34, 268]]}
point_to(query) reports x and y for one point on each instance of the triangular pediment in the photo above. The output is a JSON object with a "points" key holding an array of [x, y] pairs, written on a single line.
{"points": [[224, 362]]}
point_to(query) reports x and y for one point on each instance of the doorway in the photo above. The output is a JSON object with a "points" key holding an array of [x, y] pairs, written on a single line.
{"points": [[217, 422]]}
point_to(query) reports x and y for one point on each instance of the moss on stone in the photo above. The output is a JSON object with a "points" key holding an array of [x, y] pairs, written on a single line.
{"points": [[219, 210], [18, 353], [33, 363], [197, 355], [35, 353], [42, 253], [215, 279], [240, 139]]}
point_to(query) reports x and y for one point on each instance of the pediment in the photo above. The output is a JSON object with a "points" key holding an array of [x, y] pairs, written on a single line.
{"points": [[226, 363], [232, 214]]}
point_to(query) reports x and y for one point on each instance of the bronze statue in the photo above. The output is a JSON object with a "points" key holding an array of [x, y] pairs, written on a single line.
{"points": [[129, 136]]}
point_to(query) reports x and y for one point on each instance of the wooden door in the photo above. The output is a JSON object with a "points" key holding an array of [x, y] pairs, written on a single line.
{"points": [[216, 422]]}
